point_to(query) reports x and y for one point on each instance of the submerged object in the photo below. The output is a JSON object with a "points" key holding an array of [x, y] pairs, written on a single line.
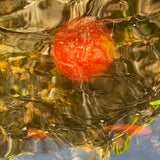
{"points": [[34, 133], [128, 129], [82, 48]]}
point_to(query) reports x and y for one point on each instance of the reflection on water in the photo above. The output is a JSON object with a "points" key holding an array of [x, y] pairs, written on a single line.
{"points": [[90, 120]]}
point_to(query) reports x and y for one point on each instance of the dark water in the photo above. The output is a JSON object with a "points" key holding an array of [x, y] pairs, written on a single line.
{"points": [[34, 94]]}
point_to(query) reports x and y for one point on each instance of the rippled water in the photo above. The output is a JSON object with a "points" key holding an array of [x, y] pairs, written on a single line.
{"points": [[34, 94]]}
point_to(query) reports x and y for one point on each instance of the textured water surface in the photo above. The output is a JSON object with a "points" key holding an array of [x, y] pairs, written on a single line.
{"points": [[34, 94]]}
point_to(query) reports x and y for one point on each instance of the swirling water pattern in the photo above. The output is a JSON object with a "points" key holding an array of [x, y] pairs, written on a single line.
{"points": [[33, 94]]}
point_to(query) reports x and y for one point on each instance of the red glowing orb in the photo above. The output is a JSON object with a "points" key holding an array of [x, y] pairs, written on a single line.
{"points": [[82, 48]]}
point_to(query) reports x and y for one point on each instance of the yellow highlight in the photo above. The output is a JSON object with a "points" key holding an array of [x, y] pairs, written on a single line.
{"points": [[31, 70], [3, 65]]}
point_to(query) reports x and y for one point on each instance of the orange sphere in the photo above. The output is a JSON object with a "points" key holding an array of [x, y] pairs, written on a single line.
{"points": [[82, 48]]}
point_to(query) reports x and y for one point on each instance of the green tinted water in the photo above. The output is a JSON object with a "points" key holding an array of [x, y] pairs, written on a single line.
{"points": [[34, 94]]}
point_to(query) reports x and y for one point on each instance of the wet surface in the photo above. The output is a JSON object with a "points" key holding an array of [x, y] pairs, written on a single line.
{"points": [[115, 116]]}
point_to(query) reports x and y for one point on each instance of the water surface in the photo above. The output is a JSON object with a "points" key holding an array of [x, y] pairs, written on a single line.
{"points": [[34, 94]]}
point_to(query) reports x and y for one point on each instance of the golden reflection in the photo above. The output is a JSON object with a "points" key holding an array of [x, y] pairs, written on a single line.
{"points": [[38, 104]]}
